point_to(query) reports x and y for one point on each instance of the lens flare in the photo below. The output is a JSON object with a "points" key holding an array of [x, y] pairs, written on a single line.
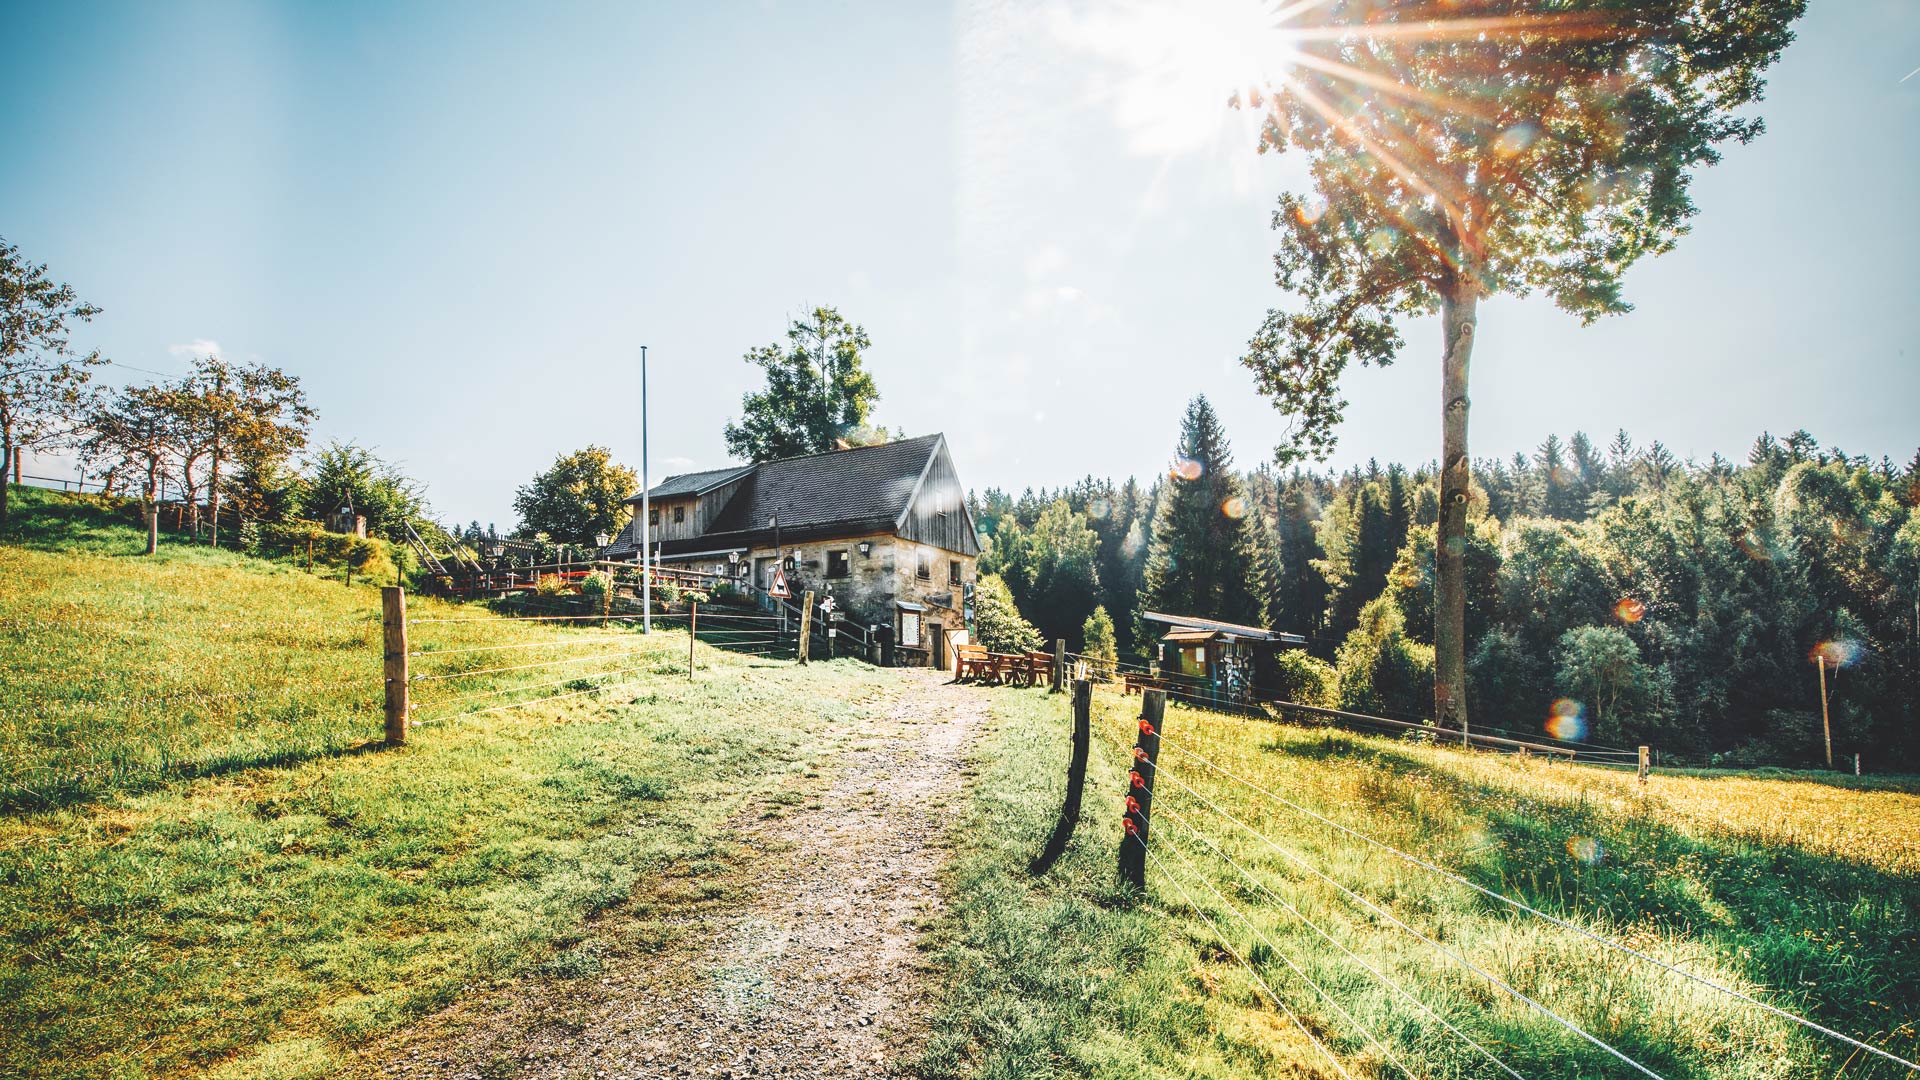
{"points": [[1586, 849], [1567, 720], [1838, 653], [1099, 507], [1629, 610], [1235, 507], [1185, 468]]}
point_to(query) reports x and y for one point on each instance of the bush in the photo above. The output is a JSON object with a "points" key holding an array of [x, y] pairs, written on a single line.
{"points": [[667, 593], [997, 622], [1382, 671], [550, 585], [1306, 680], [596, 585], [1101, 651], [725, 593]]}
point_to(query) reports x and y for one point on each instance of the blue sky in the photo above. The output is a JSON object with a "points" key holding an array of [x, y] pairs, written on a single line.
{"points": [[458, 223]]}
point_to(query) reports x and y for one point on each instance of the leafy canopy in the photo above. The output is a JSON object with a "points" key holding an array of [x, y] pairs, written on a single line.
{"points": [[817, 394], [42, 377], [1501, 146], [580, 496]]}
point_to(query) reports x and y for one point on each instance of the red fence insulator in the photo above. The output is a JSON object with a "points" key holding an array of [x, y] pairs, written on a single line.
{"points": [[1134, 779], [1132, 827], [1133, 805], [1146, 728]]}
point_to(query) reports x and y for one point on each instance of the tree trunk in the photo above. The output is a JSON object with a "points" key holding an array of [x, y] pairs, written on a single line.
{"points": [[213, 496], [6, 470], [153, 511], [1458, 313]]}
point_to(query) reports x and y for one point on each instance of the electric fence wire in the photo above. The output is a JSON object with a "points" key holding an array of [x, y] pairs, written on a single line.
{"points": [[478, 694], [1523, 906], [513, 705], [1228, 945], [1380, 977], [1352, 1020], [1496, 980], [670, 651]]}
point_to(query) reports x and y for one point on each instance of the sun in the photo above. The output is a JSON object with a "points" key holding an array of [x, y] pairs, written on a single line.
{"points": [[1176, 66]]}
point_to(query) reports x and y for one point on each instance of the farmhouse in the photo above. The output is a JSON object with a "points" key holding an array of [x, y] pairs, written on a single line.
{"points": [[883, 530]]}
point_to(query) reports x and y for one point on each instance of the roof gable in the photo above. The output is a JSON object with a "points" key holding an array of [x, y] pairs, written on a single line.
{"points": [[866, 485]]}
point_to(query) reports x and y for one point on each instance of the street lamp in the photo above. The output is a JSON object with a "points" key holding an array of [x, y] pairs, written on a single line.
{"points": [[601, 540]]}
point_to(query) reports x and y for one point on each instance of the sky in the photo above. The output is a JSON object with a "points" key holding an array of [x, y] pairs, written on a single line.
{"points": [[458, 224]]}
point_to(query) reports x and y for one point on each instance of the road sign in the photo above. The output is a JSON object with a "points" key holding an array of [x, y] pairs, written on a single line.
{"points": [[779, 588]]}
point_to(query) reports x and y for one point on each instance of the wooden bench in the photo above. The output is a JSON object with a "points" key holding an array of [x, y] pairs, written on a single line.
{"points": [[1136, 683], [970, 662]]}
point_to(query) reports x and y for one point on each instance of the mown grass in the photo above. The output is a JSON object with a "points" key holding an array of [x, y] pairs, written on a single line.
{"points": [[1803, 893], [266, 890]]}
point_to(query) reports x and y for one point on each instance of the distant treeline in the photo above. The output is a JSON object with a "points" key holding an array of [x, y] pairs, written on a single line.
{"points": [[1617, 593]]}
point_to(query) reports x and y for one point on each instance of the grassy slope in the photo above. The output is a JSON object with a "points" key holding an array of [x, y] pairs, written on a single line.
{"points": [[245, 884], [1803, 891]]}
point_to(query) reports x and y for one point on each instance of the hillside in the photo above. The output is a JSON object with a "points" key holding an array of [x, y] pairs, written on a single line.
{"points": [[207, 862], [1802, 890]]}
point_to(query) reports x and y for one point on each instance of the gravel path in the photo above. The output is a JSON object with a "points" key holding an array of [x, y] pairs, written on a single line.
{"points": [[813, 974]]}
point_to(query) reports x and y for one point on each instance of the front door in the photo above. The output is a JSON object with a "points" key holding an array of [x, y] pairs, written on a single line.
{"points": [[939, 645]]}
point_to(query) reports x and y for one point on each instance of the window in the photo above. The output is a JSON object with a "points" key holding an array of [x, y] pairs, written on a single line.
{"points": [[838, 565], [925, 569], [653, 516], [953, 572], [679, 515]]}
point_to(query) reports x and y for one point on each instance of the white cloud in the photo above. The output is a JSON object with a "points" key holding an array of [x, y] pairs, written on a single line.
{"points": [[195, 349]]}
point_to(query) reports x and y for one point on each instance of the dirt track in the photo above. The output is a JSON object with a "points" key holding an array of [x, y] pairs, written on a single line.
{"points": [[814, 972]]}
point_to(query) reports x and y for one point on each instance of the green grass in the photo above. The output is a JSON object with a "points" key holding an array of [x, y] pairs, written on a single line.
{"points": [[1803, 892], [190, 888]]}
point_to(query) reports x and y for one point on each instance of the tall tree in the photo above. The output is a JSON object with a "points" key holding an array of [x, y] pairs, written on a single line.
{"points": [[817, 394], [1518, 145], [252, 413], [42, 377], [134, 430], [1203, 560], [347, 474], [580, 496]]}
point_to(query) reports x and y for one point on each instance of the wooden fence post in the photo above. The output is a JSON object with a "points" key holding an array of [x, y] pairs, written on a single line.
{"points": [[1076, 779], [1644, 755], [693, 633], [806, 623], [1139, 815], [393, 621], [1059, 665]]}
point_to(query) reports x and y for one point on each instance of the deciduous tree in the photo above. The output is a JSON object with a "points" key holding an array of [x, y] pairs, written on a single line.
{"points": [[1504, 146], [580, 496], [817, 393], [43, 378]]}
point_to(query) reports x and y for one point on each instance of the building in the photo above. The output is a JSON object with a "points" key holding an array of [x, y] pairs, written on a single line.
{"points": [[1220, 660], [884, 530]]}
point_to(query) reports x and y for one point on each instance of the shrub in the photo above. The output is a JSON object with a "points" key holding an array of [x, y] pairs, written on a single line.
{"points": [[725, 593], [549, 585], [997, 622], [1306, 680], [597, 584], [667, 593], [1101, 650], [1382, 671], [694, 596]]}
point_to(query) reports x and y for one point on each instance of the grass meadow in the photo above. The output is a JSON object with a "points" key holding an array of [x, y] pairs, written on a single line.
{"points": [[208, 866], [1801, 890]]}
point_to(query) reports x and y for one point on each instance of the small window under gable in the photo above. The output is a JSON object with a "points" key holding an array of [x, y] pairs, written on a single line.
{"points": [[679, 515], [838, 565], [925, 566]]}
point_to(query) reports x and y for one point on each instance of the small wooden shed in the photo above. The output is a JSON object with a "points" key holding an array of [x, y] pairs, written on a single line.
{"points": [[1219, 660]]}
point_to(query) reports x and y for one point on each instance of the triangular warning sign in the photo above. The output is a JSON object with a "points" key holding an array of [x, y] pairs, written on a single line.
{"points": [[779, 584]]}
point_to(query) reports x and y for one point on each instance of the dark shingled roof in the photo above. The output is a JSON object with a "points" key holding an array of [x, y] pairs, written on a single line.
{"points": [[838, 492], [693, 483]]}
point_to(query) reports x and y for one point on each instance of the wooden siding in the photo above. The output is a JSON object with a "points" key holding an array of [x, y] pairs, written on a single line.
{"points": [[938, 514]]}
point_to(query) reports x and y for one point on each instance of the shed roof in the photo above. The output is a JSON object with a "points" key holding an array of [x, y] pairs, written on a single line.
{"points": [[694, 483], [1251, 633], [1190, 637]]}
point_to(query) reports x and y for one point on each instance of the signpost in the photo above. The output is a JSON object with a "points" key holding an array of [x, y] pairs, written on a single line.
{"points": [[779, 587]]}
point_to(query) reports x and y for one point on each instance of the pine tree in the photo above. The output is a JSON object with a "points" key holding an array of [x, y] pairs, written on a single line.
{"points": [[1203, 560]]}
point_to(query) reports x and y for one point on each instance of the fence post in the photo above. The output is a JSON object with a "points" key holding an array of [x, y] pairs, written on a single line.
{"points": [[806, 623], [1644, 753], [693, 632], [1076, 779], [1139, 815], [393, 621], [1059, 665]]}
